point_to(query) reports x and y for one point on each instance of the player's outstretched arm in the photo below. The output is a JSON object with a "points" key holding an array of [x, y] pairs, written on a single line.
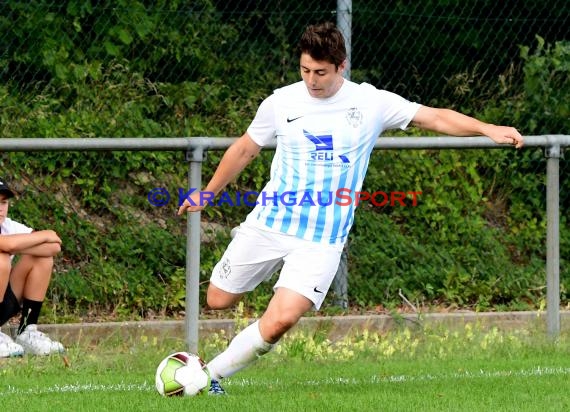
{"points": [[454, 123], [235, 159]]}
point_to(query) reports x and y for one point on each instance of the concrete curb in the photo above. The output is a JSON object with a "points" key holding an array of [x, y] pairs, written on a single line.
{"points": [[334, 326]]}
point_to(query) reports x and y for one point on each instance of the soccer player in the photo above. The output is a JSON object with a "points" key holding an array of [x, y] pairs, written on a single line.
{"points": [[325, 128], [23, 286]]}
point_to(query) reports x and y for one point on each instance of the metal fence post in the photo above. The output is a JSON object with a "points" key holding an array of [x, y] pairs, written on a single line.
{"points": [[195, 157], [344, 24], [553, 154]]}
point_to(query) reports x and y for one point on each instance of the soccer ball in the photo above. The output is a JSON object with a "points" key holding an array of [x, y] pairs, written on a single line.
{"points": [[181, 374]]}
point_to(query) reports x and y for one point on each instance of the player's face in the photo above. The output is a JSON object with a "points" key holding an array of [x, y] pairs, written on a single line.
{"points": [[4, 204], [322, 78]]}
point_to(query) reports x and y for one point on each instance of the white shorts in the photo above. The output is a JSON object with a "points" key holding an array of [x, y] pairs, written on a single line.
{"points": [[254, 254]]}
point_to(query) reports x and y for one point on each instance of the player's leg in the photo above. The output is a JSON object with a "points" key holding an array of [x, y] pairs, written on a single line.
{"points": [[303, 283], [284, 311], [29, 280], [9, 307], [6, 299], [217, 298], [251, 257]]}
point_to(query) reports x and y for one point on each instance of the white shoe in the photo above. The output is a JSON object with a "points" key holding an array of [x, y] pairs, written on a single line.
{"points": [[8, 347], [35, 342]]}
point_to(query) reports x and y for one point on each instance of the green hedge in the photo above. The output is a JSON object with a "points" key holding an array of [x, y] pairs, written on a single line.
{"points": [[475, 239]]}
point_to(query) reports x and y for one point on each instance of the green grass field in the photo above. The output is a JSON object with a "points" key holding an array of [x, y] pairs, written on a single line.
{"points": [[423, 370]]}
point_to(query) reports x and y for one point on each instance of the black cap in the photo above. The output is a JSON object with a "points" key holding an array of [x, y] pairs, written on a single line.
{"points": [[5, 189]]}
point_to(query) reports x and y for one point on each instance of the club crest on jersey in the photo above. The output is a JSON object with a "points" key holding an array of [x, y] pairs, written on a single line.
{"points": [[324, 149], [354, 117], [226, 269]]}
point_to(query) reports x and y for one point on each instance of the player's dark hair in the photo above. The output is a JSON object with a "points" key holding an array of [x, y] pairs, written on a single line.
{"points": [[323, 42]]}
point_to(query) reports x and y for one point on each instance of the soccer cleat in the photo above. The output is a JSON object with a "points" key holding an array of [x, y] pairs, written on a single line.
{"points": [[9, 348], [35, 342], [216, 388]]}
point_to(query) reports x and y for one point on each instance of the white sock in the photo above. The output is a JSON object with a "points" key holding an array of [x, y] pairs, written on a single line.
{"points": [[243, 350]]}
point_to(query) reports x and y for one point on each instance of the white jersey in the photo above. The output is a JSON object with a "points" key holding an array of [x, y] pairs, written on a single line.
{"points": [[323, 146], [11, 227]]}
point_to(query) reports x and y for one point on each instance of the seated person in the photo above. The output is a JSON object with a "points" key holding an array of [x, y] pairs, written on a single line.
{"points": [[23, 286]]}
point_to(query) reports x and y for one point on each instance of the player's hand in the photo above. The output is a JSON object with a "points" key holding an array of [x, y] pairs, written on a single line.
{"points": [[505, 135], [192, 204], [50, 236]]}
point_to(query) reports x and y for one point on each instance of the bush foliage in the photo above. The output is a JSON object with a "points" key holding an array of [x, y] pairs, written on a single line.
{"points": [[475, 239]]}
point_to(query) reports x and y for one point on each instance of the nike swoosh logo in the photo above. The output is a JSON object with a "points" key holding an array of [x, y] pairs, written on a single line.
{"points": [[316, 290], [293, 119]]}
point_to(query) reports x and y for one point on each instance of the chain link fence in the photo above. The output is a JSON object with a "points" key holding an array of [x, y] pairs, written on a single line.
{"points": [[461, 53], [199, 68]]}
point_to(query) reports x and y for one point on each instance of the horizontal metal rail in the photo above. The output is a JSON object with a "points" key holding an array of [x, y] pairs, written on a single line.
{"points": [[221, 143], [195, 147]]}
